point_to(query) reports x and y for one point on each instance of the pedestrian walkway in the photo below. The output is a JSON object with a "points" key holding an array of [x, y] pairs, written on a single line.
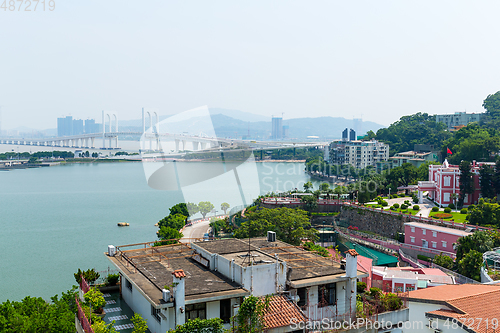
{"points": [[116, 309]]}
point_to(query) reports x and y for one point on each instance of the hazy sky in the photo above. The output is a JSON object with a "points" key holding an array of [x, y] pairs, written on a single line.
{"points": [[378, 59]]}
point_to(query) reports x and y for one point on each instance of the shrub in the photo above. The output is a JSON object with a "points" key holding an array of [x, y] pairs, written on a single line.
{"points": [[424, 258], [416, 207], [442, 216], [415, 199], [361, 287], [403, 206], [407, 202], [435, 209], [394, 196], [95, 297], [452, 206], [392, 208], [396, 205], [447, 210], [471, 207], [112, 279], [463, 211], [402, 195], [375, 292], [392, 302], [384, 203]]}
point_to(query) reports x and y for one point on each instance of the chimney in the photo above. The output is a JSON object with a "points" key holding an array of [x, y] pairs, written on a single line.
{"points": [[351, 266], [179, 296]]}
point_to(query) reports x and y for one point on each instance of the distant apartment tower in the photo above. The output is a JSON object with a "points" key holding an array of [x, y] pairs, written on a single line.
{"points": [[458, 119], [348, 135], [68, 126], [345, 134], [352, 135], [277, 128], [359, 154]]}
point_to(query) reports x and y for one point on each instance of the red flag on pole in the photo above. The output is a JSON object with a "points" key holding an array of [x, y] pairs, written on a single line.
{"points": [[448, 151]]}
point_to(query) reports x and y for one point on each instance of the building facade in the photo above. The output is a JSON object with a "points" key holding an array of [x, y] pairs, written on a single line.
{"points": [[432, 236], [277, 128], [359, 154], [458, 119], [444, 184]]}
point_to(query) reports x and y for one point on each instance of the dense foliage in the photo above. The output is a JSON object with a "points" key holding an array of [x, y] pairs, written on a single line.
{"points": [[198, 325], [290, 225]]}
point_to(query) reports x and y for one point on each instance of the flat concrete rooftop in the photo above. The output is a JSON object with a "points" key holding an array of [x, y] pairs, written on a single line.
{"points": [[303, 264], [150, 269]]}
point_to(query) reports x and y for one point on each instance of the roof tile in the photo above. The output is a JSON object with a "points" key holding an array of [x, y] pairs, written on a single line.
{"points": [[281, 311]]}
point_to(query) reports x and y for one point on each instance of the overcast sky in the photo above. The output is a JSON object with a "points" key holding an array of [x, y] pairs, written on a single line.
{"points": [[375, 59]]}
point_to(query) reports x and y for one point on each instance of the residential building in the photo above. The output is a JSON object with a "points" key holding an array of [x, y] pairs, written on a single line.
{"points": [[454, 308], [352, 135], [458, 119], [345, 135], [68, 126], [444, 184], [210, 279], [277, 128], [403, 279], [413, 157], [429, 236], [65, 126], [359, 154]]}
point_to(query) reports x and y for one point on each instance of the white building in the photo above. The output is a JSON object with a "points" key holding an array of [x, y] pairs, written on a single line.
{"points": [[210, 279], [359, 154], [458, 118]]}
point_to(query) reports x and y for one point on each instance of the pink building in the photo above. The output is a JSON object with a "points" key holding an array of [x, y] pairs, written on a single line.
{"points": [[444, 180], [432, 237]]}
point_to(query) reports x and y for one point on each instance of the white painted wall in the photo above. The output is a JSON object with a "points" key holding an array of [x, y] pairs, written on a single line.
{"points": [[213, 309], [417, 318]]}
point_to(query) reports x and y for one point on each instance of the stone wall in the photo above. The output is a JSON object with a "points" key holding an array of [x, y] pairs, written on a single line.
{"points": [[365, 220]]}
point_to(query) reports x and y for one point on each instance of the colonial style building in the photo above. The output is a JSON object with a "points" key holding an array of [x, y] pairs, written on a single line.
{"points": [[444, 184]]}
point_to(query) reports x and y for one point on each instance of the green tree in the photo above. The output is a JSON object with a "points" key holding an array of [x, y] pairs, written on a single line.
{"points": [[308, 186], [224, 206], [250, 317], [192, 208], [480, 241], [404, 175], [486, 181], [470, 265], [168, 235], [95, 298], [140, 324], [491, 104], [444, 261], [90, 275], [100, 326], [290, 225], [466, 182], [180, 208], [205, 207], [176, 221], [496, 179], [324, 187], [198, 325]]}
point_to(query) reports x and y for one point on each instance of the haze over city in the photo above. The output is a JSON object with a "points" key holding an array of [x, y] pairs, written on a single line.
{"points": [[376, 60]]}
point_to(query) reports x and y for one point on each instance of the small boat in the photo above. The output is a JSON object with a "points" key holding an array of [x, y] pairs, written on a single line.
{"points": [[123, 224]]}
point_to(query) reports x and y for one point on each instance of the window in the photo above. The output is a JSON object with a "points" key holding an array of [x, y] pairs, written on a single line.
{"points": [[412, 229], [423, 231], [444, 243], [434, 244], [326, 295], [446, 197], [225, 310], [194, 311], [447, 180], [412, 239], [155, 313], [302, 293], [434, 234], [128, 284]]}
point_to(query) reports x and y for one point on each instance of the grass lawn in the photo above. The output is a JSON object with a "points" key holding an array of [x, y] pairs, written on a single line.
{"points": [[457, 217]]}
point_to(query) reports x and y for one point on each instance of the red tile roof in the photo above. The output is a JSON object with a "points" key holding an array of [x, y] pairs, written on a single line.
{"points": [[282, 312], [179, 273], [467, 301]]}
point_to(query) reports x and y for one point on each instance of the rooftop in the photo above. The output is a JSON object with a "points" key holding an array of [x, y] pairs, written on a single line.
{"points": [[303, 264], [451, 231], [152, 268], [465, 301], [281, 311]]}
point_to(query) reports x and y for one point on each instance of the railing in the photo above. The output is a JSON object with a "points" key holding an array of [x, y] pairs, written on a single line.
{"points": [[84, 285], [428, 250], [409, 259], [459, 278], [82, 318]]}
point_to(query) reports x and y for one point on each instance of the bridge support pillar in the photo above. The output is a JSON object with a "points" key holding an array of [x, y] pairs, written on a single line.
{"points": [[195, 145], [176, 145], [203, 144]]}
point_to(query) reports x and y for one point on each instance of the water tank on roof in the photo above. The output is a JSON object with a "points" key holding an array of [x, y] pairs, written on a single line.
{"points": [[111, 250], [271, 236], [166, 295]]}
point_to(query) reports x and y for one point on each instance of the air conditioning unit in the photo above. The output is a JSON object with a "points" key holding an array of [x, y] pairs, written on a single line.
{"points": [[111, 250], [271, 236], [166, 295]]}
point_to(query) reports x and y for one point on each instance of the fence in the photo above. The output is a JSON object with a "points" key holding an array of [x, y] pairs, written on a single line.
{"points": [[82, 318], [84, 286], [459, 278]]}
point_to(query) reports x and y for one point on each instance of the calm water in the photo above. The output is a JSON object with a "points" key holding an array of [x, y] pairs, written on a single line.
{"points": [[55, 220]]}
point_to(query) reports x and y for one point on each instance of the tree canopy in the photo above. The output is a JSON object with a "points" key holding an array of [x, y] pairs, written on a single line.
{"points": [[290, 225], [205, 207]]}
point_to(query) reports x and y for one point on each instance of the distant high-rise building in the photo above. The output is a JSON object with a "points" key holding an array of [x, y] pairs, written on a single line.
{"points": [[77, 126], [352, 135], [285, 131], [357, 125], [345, 134], [91, 126], [277, 128], [65, 126]]}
